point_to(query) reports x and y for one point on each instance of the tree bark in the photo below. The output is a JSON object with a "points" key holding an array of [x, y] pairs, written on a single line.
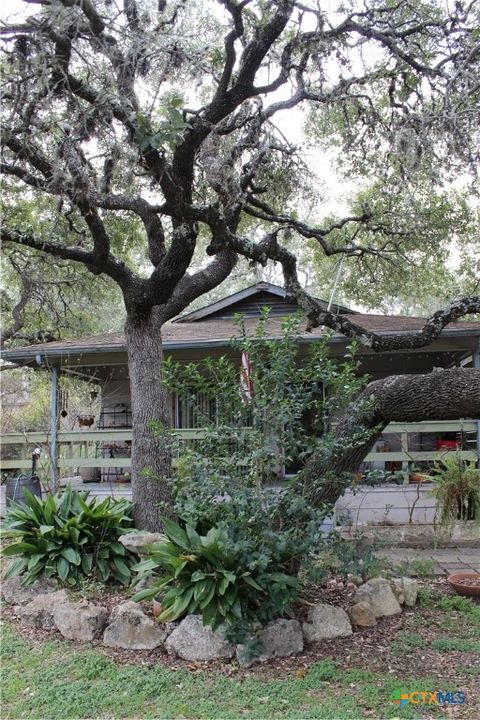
{"points": [[151, 420], [442, 395]]}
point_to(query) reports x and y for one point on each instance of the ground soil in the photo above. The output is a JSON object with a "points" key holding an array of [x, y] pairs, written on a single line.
{"points": [[368, 648]]}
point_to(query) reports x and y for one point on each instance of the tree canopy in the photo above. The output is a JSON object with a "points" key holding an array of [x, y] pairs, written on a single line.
{"points": [[179, 121], [173, 115]]}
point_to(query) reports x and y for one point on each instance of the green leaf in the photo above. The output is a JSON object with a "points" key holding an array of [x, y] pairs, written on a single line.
{"points": [[44, 529], [118, 548], [194, 538], [15, 567], [73, 556], [211, 617], [63, 568], [209, 593], [35, 560], [87, 563], [74, 534], [250, 581], [104, 569], [289, 580], [225, 582], [122, 567], [175, 533], [20, 548]]}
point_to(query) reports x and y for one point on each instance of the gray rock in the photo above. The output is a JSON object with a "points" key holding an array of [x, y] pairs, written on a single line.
{"points": [[379, 594], [280, 638], [131, 629], [15, 594], [136, 542], [326, 622], [397, 587], [82, 621], [361, 614], [410, 591], [39, 612], [170, 627], [192, 641], [146, 582]]}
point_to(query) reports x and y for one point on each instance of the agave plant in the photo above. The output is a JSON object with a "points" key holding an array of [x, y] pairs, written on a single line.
{"points": [[200, 574], [69, 536]]}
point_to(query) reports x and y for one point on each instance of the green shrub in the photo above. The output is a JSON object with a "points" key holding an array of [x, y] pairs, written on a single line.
{"points": [[457, 489], [69, 536], [202, 574]]}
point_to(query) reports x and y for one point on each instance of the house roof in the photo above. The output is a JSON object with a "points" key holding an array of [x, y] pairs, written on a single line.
{"points": [[251, 299], [219, 331]]}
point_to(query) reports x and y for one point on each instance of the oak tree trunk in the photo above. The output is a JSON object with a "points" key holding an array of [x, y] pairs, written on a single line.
{"points": [[151, 421], [450, 394]]}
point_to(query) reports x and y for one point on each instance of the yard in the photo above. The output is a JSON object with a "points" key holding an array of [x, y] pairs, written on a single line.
{"points": [[432, 647]]}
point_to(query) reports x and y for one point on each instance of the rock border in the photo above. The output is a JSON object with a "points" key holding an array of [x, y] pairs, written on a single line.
{"points": [[48, 607]]}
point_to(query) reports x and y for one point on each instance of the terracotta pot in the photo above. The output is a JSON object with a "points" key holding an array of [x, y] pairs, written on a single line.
{"points": [[417, 477], [467, 590]]}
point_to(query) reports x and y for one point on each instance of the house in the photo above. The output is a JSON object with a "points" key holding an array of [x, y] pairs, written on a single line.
{"points": [[102, 359]]}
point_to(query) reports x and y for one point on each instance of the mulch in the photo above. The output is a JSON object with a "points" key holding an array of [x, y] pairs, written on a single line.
{"points": [[368, 648]]}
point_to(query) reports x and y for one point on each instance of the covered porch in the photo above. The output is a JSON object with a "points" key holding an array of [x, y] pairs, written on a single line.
{"points": [[98, 456]]}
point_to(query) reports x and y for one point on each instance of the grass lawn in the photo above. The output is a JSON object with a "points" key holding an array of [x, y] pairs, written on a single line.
{"points": [[437, 648]]}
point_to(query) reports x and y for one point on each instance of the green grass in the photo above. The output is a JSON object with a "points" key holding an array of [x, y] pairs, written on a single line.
{"points": [[59, 680], [407, 642], [450, 644]]}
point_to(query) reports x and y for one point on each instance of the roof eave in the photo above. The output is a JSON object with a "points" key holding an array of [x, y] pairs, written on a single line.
{"points": [[60, 353]]}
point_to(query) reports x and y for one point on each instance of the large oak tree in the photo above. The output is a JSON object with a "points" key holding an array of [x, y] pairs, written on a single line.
{"points": [[173, 115]]}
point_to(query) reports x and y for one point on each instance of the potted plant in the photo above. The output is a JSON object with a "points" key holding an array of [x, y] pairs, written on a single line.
{"points": [[456, 489], [466, 583]]}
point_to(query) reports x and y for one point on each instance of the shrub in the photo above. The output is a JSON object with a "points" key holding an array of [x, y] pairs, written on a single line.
{"points": [[69, 536], [457, 489], [204, 575]]}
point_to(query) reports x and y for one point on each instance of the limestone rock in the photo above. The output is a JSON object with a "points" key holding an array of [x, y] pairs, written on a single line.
{"points": [[137, 542], [397, 587], [192, 641], [280, 638], [410, 591], [326, 622], [39, 612], [14, 593], [131, 629], [379, 594], [361, 615], [82, 621]]}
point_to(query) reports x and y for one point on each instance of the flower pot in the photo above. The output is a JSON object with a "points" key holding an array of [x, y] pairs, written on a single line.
{"points": [[456, 582], [417, 477]]}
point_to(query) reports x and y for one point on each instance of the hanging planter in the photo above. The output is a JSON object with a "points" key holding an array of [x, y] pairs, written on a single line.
{"points": [[86, 420]]}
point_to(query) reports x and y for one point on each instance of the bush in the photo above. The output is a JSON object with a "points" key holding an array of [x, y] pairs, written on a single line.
{"points": [[203, 575], [457, 489], [69, 536], [230, 488]]}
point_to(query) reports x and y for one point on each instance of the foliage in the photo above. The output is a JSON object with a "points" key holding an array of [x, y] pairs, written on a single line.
{"points": [[287, 417], [457, 489], [354, 558], [202, 574], [69, 537], [253, 530]]}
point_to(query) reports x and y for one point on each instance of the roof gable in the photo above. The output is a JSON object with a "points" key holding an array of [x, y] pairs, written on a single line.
{"points": [[249, 302]]}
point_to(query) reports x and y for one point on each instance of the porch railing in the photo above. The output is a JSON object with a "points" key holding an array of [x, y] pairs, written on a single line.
{"points": [[84, 449]]}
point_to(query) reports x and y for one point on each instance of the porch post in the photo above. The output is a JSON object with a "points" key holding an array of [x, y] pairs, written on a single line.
{"points": [[54, 427], [476, 364]]}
